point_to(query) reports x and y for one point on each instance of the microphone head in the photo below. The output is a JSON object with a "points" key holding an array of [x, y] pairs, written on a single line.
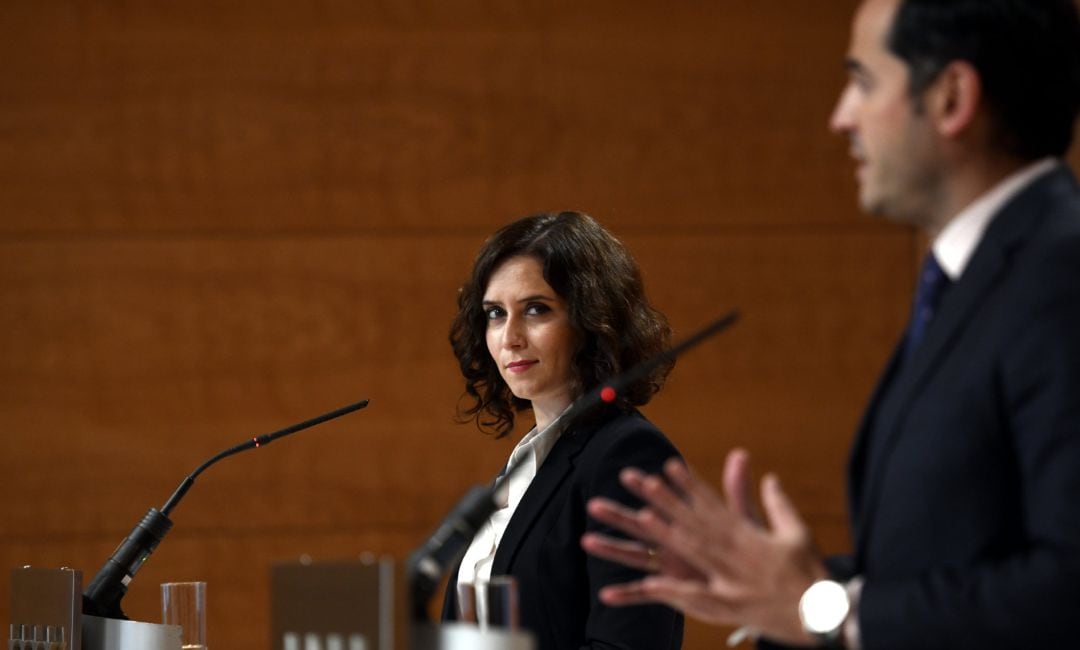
{"points": [[427, 564], [102, 597]]}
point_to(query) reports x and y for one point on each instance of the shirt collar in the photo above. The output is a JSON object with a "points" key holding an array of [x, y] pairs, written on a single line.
{"points": [[956, 243], [539, 442]]}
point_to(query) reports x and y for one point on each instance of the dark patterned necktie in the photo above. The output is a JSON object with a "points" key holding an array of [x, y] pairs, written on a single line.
{"points": [[932, 284]]}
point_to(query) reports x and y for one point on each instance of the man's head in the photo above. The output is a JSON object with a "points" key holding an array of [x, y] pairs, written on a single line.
{"points": [[935, 83], [1026, 53]]}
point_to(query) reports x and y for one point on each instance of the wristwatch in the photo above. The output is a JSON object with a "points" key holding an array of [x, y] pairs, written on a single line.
{"points": [[823, 608]]}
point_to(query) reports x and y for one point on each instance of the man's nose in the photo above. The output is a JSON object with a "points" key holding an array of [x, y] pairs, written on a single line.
{"points": [[842, 118]]}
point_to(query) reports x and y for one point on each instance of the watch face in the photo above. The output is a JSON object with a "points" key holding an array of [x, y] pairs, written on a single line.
{"points": [[823, 607]]}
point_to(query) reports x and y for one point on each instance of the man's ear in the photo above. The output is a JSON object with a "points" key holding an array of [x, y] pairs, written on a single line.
{"points": [[954, 98]]}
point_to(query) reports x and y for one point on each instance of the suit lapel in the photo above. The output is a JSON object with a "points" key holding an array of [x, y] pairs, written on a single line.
{"points": [[551, 475], [857, 460], [904, 380]]}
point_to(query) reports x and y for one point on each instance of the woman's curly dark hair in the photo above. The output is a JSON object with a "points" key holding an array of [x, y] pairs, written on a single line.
{"points": [[594, 273]]}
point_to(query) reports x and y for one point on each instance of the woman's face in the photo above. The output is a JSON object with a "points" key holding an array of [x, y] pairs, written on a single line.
{"points": [[529, 336]]}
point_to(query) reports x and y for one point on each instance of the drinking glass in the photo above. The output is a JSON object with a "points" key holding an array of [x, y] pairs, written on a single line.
{"points": [[184, 604], [499, 597], [466, 602]]}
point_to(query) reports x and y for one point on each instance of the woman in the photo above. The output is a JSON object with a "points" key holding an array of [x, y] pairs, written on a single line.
{"points": [[554, 306]]}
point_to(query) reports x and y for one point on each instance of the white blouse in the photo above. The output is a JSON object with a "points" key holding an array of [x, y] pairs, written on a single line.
{"points": [[532, 450]]}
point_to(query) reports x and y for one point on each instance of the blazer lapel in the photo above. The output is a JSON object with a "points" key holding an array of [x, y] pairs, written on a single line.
{"points": [[901, 385], [551, 475], [856, 467]]}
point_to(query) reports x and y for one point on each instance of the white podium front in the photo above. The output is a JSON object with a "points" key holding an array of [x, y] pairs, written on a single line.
{"points": [[112, 634], [461, 636]]}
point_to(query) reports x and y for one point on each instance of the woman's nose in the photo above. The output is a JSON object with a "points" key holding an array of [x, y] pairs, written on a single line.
{"points": [[514, 333]]}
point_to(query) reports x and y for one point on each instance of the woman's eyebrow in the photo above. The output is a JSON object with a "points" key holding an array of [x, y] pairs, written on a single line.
{"points": [[534, 297]]}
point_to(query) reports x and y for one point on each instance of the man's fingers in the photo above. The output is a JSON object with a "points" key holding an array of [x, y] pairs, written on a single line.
{"points": [[631, 478], [649, 488], [782, 516], [629, 553], [690, 596], [617, 516], [696, 491], [628, 593], [737, 485], [661, 498]]}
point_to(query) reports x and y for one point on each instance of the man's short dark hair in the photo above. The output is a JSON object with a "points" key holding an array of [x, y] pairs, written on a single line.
{"points": [[1027, 54]]}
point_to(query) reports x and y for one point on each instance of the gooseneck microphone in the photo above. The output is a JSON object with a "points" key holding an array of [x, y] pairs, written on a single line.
{"points": [[428, 564], [102, 597]]}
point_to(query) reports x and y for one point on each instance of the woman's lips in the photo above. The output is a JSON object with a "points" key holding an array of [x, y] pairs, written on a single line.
{"points": [[520, 366]]}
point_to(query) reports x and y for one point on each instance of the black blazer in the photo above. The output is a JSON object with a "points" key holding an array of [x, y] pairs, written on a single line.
{"points": [[557, 581], [964, 480]]}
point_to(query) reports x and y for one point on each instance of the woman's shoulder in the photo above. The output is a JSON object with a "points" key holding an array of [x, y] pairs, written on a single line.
{"points": [[622, 440], [628, 437], [617, 423]]}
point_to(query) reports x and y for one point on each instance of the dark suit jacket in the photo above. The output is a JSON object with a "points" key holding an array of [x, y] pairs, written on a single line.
{"points": [[557, 581], [964, 480]]}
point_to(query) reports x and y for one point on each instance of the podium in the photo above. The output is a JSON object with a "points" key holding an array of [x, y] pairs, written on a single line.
{"points": [[46, 614], [333, 605], [46, 608], [328, 606], [355, 605]]}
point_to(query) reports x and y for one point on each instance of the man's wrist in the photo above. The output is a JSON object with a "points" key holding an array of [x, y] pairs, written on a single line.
{"points": [[851, 632], [824, 608]]}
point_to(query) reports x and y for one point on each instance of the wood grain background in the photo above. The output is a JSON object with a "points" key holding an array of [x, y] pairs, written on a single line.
{"points": [[218, 218]]}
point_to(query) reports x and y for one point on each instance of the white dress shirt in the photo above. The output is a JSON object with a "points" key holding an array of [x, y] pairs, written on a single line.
{"points": [[956, 243], [533, 449]]}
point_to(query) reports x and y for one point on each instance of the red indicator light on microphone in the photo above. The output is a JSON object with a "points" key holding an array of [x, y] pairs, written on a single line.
{"points": [[256, 440], [607, 394]]}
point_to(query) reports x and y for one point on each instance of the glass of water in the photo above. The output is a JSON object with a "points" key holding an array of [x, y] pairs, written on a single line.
{"points": [[184, 604], [497, 603]]}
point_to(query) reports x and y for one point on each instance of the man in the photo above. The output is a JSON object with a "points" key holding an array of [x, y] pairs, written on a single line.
{"points": [[964, 478]]}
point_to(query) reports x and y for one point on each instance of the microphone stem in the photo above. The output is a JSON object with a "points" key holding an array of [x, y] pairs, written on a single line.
{"points": [[257, 441]]}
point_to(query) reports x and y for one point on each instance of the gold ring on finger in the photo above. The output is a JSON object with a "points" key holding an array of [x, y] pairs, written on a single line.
{"points": [[652, 565]]}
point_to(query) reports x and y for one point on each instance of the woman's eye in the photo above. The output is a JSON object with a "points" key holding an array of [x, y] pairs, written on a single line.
{"points": [[493, 313], [537, 308]]}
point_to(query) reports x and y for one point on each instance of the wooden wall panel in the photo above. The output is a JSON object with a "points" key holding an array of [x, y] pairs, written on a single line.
{"points": [[220, 218], [820, 311], [127, 362], [309, 116]]}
